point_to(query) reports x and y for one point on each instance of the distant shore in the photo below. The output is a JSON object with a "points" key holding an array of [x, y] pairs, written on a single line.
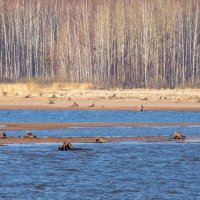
{"points": [[19, 97]]}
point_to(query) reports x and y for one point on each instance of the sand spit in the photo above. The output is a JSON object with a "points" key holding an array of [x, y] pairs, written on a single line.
{"points": [[82, 139], [93, 139], [9, 126]]}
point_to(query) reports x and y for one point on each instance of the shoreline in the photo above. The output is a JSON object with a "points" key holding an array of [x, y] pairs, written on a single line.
{"points": [[106, 106], [14, 126], [33, 98], [93, 139], [186, 100]]}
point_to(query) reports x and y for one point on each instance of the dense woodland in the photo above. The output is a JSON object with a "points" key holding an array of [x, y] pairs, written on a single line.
{"points": [[111, 43]]}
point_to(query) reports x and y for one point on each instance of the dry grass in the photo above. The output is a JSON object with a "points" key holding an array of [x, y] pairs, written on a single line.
{"points": [[86, 91], [18, 88], [34, 88]]}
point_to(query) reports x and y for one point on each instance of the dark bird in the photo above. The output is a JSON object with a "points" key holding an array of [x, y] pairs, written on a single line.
{"points": [[28, 96], [141, 108], [75, 105], [113, 96], [145, 99], [54, 96], [91, 106], [178, 100], [51, 101], [4, 93]]}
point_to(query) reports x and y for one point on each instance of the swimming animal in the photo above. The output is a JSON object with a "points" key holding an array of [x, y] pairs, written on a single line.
{"points": [[66, 146]]}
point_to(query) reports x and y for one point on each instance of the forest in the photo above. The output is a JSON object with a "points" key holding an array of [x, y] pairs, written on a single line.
{"points": [[109, 43]]}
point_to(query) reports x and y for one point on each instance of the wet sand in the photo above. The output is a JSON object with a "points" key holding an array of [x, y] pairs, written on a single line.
{"points": [[9, 126], [45, 126], [93, 139], [102, 105], [81, 139]]}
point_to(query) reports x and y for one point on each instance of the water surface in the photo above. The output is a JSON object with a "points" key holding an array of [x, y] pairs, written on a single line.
{"points": [[103, 171], [96, 116], [132, 170]]}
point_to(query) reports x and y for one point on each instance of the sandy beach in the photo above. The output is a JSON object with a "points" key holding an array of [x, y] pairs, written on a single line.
{"points": [[84, 99], [101, 105]]}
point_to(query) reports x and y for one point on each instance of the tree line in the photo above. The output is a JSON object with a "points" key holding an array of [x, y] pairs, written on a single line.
{"points": [[110, 43]]}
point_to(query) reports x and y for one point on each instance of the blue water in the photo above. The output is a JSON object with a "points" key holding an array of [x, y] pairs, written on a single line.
{"points": [[96, 116], [102, 171], [102, 116], [131, 170], [110, 132]]}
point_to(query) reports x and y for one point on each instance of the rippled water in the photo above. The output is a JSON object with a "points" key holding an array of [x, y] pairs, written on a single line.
{"points": [[102, 116], [110, 131], [131, 170], [102, 171], [96, 116]]}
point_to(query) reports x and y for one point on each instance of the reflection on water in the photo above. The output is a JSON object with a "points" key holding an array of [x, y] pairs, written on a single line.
{"points": [[112, 171]]}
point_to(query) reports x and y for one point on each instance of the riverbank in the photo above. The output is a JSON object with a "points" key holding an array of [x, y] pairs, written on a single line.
{"points": [[89, 99]]}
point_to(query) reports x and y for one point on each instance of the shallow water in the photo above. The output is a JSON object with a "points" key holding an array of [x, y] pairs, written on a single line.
{"points": [[102, 116], [110, 132], [131, 170], [96, 116]]}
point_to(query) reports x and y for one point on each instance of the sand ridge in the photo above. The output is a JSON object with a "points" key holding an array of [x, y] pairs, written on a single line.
{"points": [[93, 139], [8, 126], [91, 99]]}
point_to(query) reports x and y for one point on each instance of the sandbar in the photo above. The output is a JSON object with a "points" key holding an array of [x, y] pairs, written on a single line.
{"points": [[93, 139], [11, 126]]}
